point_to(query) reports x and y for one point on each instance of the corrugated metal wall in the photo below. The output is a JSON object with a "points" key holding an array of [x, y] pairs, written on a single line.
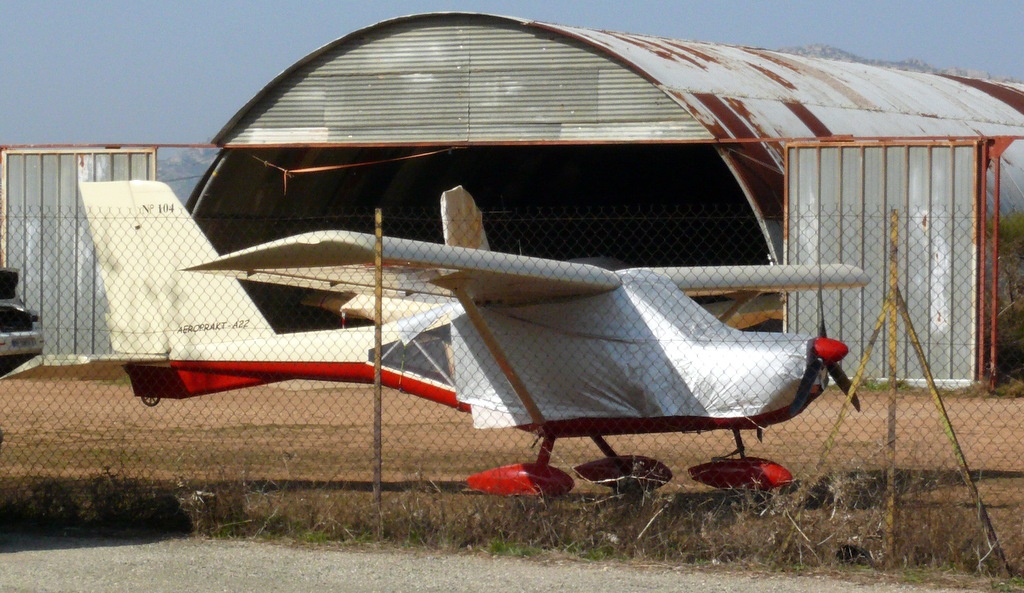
{"points": [[839, 200], [457, 79], [48, 240]]}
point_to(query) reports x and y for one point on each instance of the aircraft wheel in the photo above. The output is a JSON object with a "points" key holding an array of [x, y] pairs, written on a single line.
{"points": [[149, 400], [626, 474]]}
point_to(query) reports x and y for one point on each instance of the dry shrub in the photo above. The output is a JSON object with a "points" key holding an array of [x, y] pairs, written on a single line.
{"points": [[44, 502], [705, 527], [106, 502], [841, 523]]}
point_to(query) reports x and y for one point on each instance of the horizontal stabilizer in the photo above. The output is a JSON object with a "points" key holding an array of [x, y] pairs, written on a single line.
{"points": [[65, 366]]}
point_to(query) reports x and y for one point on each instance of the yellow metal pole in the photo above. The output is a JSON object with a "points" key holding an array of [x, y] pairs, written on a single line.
{"points": [[947, 426], [378, 294], [894, 308], [890, 499]]}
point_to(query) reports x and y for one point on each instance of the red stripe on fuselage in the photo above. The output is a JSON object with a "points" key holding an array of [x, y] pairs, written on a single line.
{"points": [[226, 375], [346, 372]]}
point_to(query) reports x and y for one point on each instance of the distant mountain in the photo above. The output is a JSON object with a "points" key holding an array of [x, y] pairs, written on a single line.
{"points": [[828, 52], [182, 168]]}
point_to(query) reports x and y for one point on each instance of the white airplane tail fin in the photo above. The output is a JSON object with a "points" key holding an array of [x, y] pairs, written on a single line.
{"points": [[462, 221], [144, 237]]}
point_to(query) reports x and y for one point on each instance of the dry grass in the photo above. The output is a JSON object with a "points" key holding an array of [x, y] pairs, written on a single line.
{"points": [[843, 525], [294, 461]]}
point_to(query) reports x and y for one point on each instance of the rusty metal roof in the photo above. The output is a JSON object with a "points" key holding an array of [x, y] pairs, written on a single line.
{"points": [[744, 92], [741, 93]]}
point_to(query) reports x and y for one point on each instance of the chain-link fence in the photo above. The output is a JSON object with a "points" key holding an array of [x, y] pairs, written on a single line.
{"points": [[540, 342]]}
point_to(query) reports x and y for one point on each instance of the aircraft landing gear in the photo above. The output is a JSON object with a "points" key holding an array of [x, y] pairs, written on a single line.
{"points": [[736, 470], [624, 473], [741, 450], [525, 479]]}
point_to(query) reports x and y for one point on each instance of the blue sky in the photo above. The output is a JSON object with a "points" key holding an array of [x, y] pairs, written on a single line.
{"points": [[174, 72]]}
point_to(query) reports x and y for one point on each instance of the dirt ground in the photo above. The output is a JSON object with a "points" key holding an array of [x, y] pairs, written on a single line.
{"points": [[319, 433], [323, 431]]}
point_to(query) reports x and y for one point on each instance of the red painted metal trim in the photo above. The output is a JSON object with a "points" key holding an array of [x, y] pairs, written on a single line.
{"points": [[993, 356], [981, 184], [166, 383], [97, 147], [585, 427], [347, 372], [721, 138], [995, 148], [428, 391], [998, 145]]}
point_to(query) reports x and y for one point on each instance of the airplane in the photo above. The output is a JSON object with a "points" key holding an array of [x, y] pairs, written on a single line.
{"points": [[561, 349]]}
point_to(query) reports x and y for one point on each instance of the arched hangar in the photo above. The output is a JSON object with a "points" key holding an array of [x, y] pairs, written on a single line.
{"points": [[530, 115]]}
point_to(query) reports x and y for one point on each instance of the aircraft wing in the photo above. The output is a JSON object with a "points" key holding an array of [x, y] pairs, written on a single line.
{"points": [[700, 281], [344, 261]]}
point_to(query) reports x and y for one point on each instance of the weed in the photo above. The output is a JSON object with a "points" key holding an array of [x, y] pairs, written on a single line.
{"points": [[1011, 585], [315, 537], [914, 577], [500, 547]]}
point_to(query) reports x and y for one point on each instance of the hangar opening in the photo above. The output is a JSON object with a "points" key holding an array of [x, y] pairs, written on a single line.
{"points": [[644, 205]]}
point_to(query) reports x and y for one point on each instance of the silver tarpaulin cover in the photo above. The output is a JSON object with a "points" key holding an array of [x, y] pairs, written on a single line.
{"points": [[642, 350]]}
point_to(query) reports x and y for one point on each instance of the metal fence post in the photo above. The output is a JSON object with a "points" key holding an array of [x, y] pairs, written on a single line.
{"points": [[890, 498], [378, 293]]}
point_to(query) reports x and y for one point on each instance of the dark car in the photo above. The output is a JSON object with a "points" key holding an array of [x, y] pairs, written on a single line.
{"points": [[20, 338]]}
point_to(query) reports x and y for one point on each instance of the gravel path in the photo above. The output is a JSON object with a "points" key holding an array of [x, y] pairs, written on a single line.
{"points": [[57, 564]]}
